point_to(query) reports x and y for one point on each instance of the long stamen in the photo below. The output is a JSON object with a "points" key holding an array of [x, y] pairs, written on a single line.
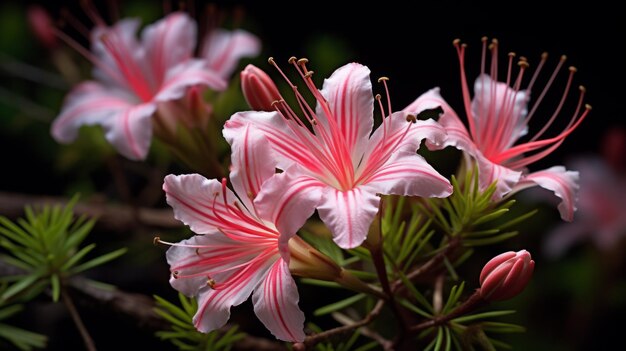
{"points": [[572, 70], [546, 88], [460, 48]]}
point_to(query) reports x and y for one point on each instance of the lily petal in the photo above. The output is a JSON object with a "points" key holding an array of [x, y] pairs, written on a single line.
{"points": [[348, 214], [276, 304], [499, 110], [348, 92], [289, 149], [288, 199], [124, 33], [490, 172], [169, 42], [185, 75], [409, 174], [562, 182], [126, 122], [197, 201], [214, 305], [252, 163], [222, 49]]}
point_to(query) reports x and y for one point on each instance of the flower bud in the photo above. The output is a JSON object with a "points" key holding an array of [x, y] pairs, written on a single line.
{"points": [[42, 26], [506, 275], [306, 261], [258, 89]]}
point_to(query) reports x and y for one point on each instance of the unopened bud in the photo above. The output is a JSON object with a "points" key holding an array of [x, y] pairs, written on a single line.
{"points": [[306, 261], [42, 26], [506, 275], [258, 89]]}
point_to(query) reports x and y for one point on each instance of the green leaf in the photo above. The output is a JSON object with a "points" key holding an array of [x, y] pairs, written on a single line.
{"points": [[74, 259], [56, 287], [20, 286], [484, 315], [439, 338], [99, 260], [489, 241], [416, 293], [338, 305], [414, 308], [20, 337], [491, 216]]}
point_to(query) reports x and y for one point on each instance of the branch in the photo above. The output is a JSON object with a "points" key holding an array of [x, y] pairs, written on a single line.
{"points": [[312, 340], [113, 217], [473, 302]]}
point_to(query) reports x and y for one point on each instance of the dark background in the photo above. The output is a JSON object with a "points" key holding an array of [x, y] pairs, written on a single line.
{"points": [[411, 43]]}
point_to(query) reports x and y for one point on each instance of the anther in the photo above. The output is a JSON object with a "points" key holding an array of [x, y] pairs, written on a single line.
{"points": [[456, 42], [563, 58], [156, 240], [512, 54], [302, 61], [381, 79], [523, 58], [411, 118], [378, 97], [271, 61], [544, 56], [582, 88], [175, 274], [308, 74], [573, 69], [484, 39], [588, 107], [523, 64], [275, 102], [292, 59], [210, 283]]}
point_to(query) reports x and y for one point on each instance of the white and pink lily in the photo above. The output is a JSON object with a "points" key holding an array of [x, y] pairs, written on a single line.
{"points": [[498, 117], [132, 77], [238, 251], [332, 163]]}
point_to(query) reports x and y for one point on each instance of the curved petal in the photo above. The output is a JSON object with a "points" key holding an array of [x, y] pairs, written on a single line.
{"points": [[289, 148], [276, 304], [169, 42], [214, 305], [126, 122], [348, 214], [252, 163], [557, 179], [222, 49], [490, 172], [185, 75], [124, 33], [409, 174], [350, 109], [197, 201], [457, 134], [288, 199], [499, 110]]}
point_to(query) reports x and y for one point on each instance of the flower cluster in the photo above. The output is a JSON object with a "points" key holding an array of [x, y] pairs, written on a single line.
{"points": [[289, 161]]}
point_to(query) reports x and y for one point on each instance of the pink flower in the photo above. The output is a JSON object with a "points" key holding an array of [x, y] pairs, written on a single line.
{"points": [[42, 26], [334, 164], [601, 215], [506, 275], [222, 49], [131, 78], [239, 251], [498, 117]]}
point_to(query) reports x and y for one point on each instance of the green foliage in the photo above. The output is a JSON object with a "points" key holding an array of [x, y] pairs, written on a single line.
{"points": [[345, 344], [471, 214], [45, 248], [20, 338], [184, 335]]}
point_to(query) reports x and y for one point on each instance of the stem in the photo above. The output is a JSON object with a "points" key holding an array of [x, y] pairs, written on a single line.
{"points": [[67, 300], [312, 340]]}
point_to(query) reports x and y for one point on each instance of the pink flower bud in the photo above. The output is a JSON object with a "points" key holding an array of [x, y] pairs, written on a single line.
{"points": [[42, 26], [506, 275], [258, 89]]}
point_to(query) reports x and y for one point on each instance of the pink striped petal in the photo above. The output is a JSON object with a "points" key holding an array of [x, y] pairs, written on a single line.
{"points": [[125, 33], [562, 182], [195, 201], [223, 49], [490, 172], [499, 110], [288, 199], [169, 42], [409, 174], [348, 214], [289, 149], [214, 305], [349, 95], [126, 122], [252, 163], [276, 304], [185, 75]]}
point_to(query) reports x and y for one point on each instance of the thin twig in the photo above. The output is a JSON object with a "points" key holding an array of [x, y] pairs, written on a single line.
{"points": [[312, 340], [473, 302], [67, 300]]}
